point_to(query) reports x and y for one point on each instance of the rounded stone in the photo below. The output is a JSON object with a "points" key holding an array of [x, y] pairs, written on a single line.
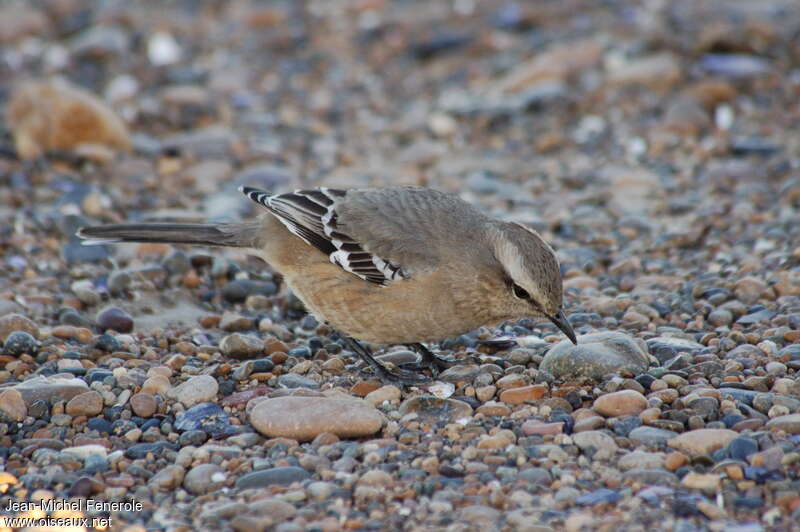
{"points": [[268, 477], [17, 322], [436, 409], [12, 406], [116, 319], [86, 404], [789, 423], [702, 441], [143, 404], [304, 418], [388, 393], [203, 478], [522, 394], [156, 384], [622, 403], [237, 291], [86, 292], [241, 346], [198, 389], [52, 389], [20, 343], [603, 444], [596, 354]]}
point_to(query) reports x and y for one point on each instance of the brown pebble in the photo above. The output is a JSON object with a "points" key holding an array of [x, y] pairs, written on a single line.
{"points": [[156, 385], [493, 442], [362, 388], [86, 404], [191, 279], [55, 115], [17, 322], [143, 404], [622, 403], [518, 396], [209, 322], [273, 345], [494, 409], [675, 460], [12, 406]]}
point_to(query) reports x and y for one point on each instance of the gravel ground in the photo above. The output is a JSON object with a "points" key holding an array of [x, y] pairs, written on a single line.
{"points": [[655, 144]]}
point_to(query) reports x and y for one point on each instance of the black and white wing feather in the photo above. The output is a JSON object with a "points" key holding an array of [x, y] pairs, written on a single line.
{"points": [[312, 216]]}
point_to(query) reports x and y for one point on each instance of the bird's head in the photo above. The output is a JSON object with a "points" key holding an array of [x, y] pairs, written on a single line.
{"points": [[531, 275]]}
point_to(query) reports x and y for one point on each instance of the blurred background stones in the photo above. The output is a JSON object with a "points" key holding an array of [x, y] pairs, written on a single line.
{"points": [[654, 144]]}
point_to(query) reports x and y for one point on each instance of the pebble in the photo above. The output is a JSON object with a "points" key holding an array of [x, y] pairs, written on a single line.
{"points": [[143, 404], [232, 321], [12, 406], [388, 393], [603, 445], [702, 441], [599, 496], [73, 117], [304, 418], [622, 403], [198, 389], [208, 417], [494, 409], [709, 482], [789, 423], [741, 447], [204, 478], [436, 409], [651, 435], [17, 322], [269, 477], [642, 460], [523, 394], [539, 427], [114, 318], [85, 404], [241, 346], [293, 380], [156, 385], [237, 291], [52, 389], [596, 355], [168, 478], [19, 343], [85, 291]]}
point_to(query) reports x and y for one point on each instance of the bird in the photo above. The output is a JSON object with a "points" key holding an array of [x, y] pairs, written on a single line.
{"points": [[392, 265]]}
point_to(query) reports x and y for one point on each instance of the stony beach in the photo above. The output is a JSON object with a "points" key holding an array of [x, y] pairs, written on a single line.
{"points": [[656, 145]]}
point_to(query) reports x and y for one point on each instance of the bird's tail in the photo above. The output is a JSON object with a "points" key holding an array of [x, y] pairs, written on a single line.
{"points": [[241, 235]]}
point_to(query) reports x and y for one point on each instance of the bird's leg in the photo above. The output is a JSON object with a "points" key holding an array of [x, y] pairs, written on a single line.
{"points": [[433, 362], [385, 374]]}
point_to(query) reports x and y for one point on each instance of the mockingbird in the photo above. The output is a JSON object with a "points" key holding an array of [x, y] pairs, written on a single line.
{"points": [[399, 265]]}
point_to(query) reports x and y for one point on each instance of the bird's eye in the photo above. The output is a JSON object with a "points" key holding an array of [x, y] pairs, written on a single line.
{"points": [[519, 292]]}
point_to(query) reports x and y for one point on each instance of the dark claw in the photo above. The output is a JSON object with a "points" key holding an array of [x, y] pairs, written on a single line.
{"points": [[430, 361], [385, 374]]}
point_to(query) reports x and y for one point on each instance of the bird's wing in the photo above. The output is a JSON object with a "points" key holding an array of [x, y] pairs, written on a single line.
{"points": [[313, 216]]}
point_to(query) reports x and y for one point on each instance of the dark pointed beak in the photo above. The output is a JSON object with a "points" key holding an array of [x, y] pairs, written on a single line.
{"points": [[562, 323]]}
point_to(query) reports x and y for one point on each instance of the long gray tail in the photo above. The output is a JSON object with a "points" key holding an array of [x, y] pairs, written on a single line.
{"points": [[242, 235]]}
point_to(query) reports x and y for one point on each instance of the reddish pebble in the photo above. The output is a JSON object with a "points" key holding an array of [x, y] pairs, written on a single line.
{"points": [[518, 396]]}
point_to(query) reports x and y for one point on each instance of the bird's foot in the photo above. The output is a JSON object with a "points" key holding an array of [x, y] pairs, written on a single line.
{"points": [[385, 374], [430, 361]]}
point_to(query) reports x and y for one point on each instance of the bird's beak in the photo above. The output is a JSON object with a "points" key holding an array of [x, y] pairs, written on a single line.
{"points": [[562, 323]]}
